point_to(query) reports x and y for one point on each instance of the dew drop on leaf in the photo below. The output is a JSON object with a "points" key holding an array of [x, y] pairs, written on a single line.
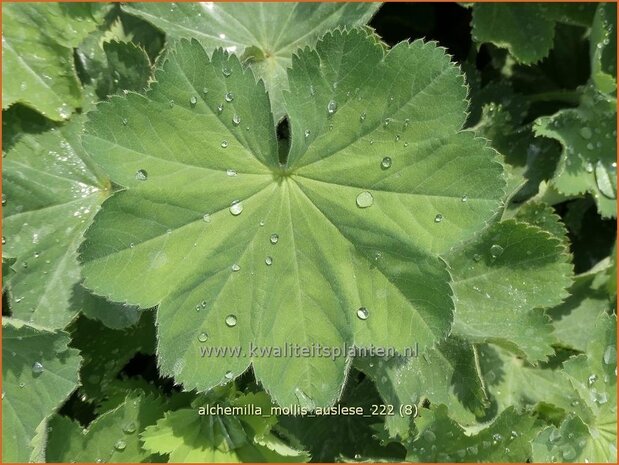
{"points": [[226, 71], [129, 428], [204, 91], [586, 133], [37, 368], [365, 199], [224, 144], [3, 240], [193, 100], [610, 355], [274, 238], [496, 250], [362, 116], [386, 163], [307, 133], [464, 198], [231, 321], [203, 337], [231, 172], [331, 107], [229, 375], [363, 313], [236, 207], [607, 183], [220, 108], [141, 175], [235, 268], [206, 218], [125, 121], [3, 199], [592, 379], [120, 445], [171, 103], [429, 436], [268, 261], [438, 218], [236, 120], [229, 97]]}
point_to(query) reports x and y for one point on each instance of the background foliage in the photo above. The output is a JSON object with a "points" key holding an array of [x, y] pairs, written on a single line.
{"points": [[464, 182]]}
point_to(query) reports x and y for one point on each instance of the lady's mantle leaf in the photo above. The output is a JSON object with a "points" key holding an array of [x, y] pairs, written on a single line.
{"points": [[37, 44], [39, 371], [589, 138], [51, 193], [237, 250], [264, 34]]}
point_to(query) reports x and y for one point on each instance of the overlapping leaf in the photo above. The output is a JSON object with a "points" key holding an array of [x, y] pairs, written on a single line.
{"points": [[603, 48], [588, 136], [37, 44], [52, 190], [371, 176], [264, 34], [39, 371]]}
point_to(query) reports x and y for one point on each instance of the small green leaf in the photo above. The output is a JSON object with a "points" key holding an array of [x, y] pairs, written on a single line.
{"points": [[603, 48], [52, 192], [266, 34], [440, 439], [588, 136], [501, 283], [112, 315], [544, 217], [37, 43], [39, 371], [113, 437], [236, 249]]}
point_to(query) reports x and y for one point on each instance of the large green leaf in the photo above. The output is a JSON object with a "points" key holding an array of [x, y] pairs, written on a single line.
{"points": [[589, 139], [52, 191], [113, 437], [39, 371], [503, 280], [264, 34], [37, 45], [260, 272]]}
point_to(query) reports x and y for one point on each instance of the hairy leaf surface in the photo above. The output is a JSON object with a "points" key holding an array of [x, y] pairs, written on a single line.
{"points": [[260, 271]]}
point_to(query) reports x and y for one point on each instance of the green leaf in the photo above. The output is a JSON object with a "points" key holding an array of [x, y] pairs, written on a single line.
{"points": [[440, 439], [37, 43], [603, 48], [526, 30], [113, 437], [187, 435], [588, 136], [544, 217], [446, 374], [501, 283], [265, 34], [175, 238], [39, 371], [112, 315], [129, 65], [52, 192]]}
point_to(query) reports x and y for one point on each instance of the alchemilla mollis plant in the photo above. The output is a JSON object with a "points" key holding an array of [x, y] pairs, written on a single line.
{"points": [[247, 232]]}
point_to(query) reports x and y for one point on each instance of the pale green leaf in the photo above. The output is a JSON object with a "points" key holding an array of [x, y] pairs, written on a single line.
{"points": [[52, 192], [113, 437], [446, 374], [544, 217], [37, 59], [39, 371], [441, 439], [264, 34], [501, 283], [603, 48], [111, 314], [181, 159], [589, 139]]}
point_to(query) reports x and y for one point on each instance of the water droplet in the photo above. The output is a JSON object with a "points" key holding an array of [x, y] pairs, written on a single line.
{"points": [[229, 97], [224, 144], [274, 238], [465, 198], [3, 240], [607, 183], [477, 257], [129, 428], [203, 337], [226, 71], [231, 172], [141, 175], [236, 207], [586, 133], [235, 267], [193, 100], [261, 223], [125, 121], [610, 355], [362, 116], [429, 436], [496, 250], [307, 133], [207, 218], [268, 261], [406, 122], [386, 163], [589, 165], [438, 218], [37, 368], [204, 90], [363, 313], [592, 379], [569, 453], [171, 103], [3, 199], [120, 445], [220, 108], [229, 375], [365, 199], [386, 122], [236, 120], [331, 107], [231, 321]]}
